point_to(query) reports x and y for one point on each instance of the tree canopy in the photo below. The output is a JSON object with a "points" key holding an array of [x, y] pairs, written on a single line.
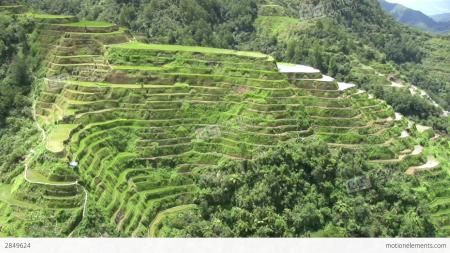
{"points": [[301, 189]]}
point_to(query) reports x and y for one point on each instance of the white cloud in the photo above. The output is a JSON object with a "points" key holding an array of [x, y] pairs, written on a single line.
{"points": [[429, 7]]}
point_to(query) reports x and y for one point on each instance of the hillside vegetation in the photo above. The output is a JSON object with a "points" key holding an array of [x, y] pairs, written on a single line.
{"points": [[120, 137], [348, 39]]}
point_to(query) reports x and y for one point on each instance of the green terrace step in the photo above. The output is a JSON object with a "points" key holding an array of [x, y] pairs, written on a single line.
{"points": [[64, 202], [59, 197], [238, 136], [338, 122], [50, 19], [98, 164], [118, 57], [121, 90], [121, 77], [324, 103], [202, 53], [85, 27], [410, 159], [163, 141], [154, 226], [203, 156], [387, 143], [79, 43], [152, 210], [353, 138], [365, 130], [161, 192], [159, 158], [232, 71], [37, 177], [294, 77], [75, 50], [77, 59], [175, 124], [333, 113], [311, 84], [61, 192], [59, 68], [276, 88], [81, 96], [12, 9], [115, 37], [324, 93], [146, 199], [269, 128]]}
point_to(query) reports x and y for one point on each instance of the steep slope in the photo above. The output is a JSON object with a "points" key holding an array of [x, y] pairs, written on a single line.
{"points": [[360, 43], [124, 124], [354, 32], [415, 18]]}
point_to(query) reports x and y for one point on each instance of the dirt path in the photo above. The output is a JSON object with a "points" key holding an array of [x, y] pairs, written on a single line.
{"points": [[431, 164], [49, 183], [417, 151]]}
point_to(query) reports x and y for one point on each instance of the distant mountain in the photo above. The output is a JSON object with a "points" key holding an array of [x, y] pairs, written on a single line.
{"points": [[445, 17], [416, 18]]}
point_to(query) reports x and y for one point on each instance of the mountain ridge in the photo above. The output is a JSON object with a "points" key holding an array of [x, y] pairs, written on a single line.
{"points": [[443, 17], [416, 18]]}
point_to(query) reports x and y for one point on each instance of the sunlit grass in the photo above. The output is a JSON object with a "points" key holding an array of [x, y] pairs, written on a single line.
{"points": [[56, 138], [206, 50], [89, 24]]}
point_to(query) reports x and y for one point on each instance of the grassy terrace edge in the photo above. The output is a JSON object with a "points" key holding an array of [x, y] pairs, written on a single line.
{"points": [[190, 49], [88, 24]]}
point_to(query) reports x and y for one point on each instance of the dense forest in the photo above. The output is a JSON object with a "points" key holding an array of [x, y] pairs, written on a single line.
{"points": [[14, 70], [301, 189], [17, 132], [225, 24]]}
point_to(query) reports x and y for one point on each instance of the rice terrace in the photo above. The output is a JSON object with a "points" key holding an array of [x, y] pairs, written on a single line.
{"points": [[128, 137]]}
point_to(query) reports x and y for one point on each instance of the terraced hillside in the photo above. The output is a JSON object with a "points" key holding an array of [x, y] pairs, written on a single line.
{"points": [[124, 124], [437, 183], [11, 7]]}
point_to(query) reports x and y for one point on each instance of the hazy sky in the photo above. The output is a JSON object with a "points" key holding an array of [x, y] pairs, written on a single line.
{"points": [[429, 7]]}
